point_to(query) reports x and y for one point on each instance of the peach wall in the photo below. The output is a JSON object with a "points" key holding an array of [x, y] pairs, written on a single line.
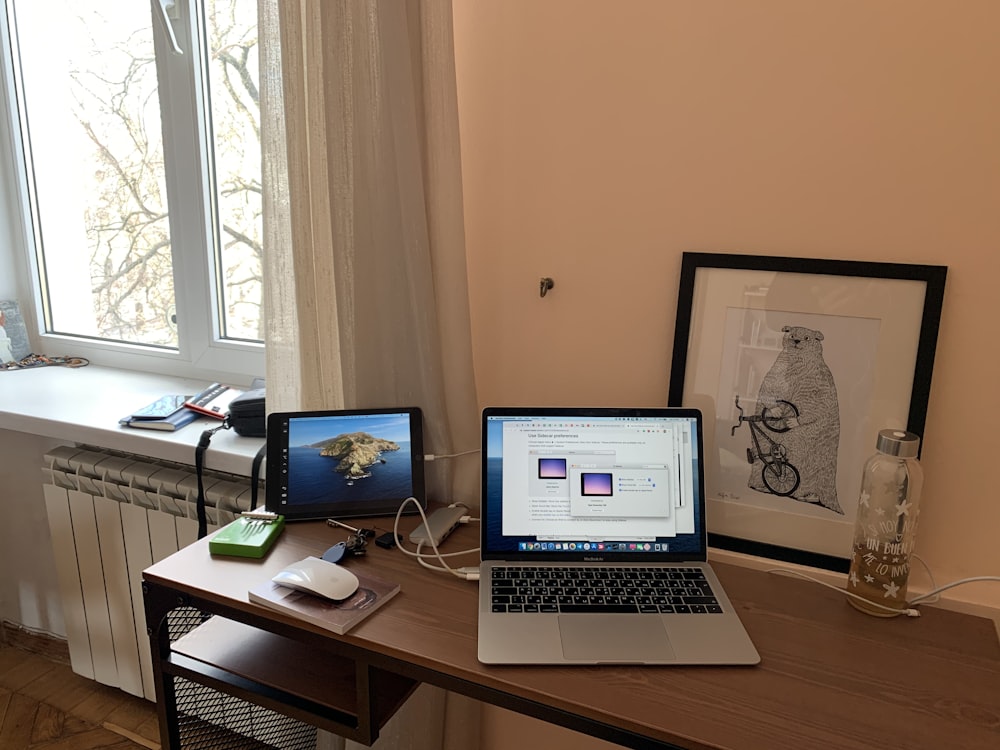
{"points": [[602, 139]]}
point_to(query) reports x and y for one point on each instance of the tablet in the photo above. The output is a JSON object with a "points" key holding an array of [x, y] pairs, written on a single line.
{"points": [[337, 464]]}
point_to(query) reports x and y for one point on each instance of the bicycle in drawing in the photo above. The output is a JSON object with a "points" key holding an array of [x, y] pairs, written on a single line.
{"points": [[780, 476]]}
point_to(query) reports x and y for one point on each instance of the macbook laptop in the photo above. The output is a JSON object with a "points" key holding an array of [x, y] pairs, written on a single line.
{"points": [[594, 541]]}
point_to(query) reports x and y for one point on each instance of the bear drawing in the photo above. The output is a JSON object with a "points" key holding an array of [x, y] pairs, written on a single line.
{"points": [[801, 377]]}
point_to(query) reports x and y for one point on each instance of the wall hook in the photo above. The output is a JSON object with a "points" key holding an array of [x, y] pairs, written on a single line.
{"points": [[544, 285]]}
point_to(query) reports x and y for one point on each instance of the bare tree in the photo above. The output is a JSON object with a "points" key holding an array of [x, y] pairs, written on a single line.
{"points": [[127, 227]]}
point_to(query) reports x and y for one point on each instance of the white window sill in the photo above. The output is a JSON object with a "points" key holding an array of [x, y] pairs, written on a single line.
{"points": [[84, 405]]}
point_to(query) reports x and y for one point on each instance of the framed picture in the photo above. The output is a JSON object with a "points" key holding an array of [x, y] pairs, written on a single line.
{"points": [[796, 365], [13, 335]]}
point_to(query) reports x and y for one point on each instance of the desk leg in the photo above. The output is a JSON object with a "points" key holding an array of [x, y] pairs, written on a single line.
{"points": [[367, 724], [158, 602]]}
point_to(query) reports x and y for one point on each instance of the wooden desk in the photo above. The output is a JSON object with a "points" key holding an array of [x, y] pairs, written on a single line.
{"points": [[830, 677]]}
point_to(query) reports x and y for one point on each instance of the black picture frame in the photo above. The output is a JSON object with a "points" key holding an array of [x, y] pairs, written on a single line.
{"points": [[882, 322]]}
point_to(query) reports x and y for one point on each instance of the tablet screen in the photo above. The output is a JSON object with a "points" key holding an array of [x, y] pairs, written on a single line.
{"points": [[334, 464]]}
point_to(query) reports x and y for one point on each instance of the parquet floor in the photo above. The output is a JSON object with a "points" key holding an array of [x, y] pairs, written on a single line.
{"points": [[44, 705]]}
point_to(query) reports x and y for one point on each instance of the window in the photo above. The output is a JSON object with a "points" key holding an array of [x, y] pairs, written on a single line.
{"points": [[137, 127]]}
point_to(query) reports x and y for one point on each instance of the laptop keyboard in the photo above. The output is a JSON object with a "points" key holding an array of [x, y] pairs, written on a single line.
{"points": [[591, 589]]}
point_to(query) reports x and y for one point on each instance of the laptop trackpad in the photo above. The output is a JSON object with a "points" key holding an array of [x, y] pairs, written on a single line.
{"points": [[614, 638]]}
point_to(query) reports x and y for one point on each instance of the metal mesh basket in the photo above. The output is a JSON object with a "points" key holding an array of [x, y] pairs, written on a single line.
{"points": [[212, 720]]}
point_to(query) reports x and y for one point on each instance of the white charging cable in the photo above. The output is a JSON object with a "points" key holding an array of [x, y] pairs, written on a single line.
{"points": [[439, 456], [910, 609]]}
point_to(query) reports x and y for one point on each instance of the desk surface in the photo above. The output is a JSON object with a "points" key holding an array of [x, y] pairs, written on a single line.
{"points": [[830, 676]]}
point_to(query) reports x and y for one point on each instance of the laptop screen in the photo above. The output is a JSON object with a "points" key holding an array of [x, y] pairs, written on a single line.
{"points": [[593, 484]]}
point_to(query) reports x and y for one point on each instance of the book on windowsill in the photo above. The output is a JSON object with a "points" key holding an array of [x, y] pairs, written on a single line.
{"points": [[213, 401], [166, 414], [338, 617]]}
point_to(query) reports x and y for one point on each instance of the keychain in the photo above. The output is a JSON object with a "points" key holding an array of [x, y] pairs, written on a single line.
{"points": [[355, 546]]}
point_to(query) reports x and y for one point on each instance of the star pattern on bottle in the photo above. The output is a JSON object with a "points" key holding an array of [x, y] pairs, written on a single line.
{"points": [[891, 590], [865, 497], [869, 578], [880, 511], [854, 578], [903, 509]]}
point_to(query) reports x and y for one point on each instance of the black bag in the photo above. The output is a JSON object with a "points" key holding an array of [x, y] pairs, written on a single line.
{"points": [[247, 415]]}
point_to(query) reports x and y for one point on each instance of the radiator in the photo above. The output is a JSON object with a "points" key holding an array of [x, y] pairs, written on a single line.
{"points": [[111, 515]]}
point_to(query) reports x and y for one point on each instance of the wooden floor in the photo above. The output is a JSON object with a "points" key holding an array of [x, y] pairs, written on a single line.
{"points": [[43, 704]]}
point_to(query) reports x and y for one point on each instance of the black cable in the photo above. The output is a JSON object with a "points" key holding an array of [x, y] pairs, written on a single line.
{"points": [[199, 460]]}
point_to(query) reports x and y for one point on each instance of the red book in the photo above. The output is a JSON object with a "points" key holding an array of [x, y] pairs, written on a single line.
{"points": [[213, 401]]}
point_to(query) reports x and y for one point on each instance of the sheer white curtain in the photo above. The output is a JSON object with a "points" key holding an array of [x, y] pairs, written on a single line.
{"points": [[365, 280]]}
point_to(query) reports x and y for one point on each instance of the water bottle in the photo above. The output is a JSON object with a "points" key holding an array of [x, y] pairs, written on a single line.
{"points": [[886, 526]]}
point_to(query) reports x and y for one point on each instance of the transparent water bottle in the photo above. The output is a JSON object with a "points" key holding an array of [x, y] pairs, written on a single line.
{"points": [[886, 526]]}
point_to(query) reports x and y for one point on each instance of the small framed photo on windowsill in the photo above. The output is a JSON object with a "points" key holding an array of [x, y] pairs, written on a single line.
{"points": [[13, 335]]}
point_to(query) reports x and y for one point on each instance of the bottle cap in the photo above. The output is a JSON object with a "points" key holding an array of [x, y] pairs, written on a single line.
{"points": [[898, 443]]}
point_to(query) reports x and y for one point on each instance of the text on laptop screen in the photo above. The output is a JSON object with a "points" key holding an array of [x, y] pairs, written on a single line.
{"points": [[611, 484]]}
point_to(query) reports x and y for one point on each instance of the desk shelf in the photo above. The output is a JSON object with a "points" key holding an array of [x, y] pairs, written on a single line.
{"points": [[333, 692]]}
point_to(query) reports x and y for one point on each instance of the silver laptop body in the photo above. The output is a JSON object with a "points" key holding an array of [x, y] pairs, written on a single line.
{"points": [[594, 541]]}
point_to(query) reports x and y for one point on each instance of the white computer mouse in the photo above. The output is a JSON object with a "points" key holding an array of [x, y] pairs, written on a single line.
{"points": [[315, 576]]}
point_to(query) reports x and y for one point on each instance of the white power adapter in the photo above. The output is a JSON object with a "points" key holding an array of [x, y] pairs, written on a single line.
{"points": [[439, 525]]}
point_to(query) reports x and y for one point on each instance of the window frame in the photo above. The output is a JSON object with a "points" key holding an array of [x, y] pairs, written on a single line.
{"points": [[201, 353]]}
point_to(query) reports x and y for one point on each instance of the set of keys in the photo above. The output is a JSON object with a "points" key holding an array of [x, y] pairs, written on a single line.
{"points": [[355, 546]]}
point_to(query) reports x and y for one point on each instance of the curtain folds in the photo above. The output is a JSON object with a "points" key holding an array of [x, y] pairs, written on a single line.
{"points": [[366, 293], [366, 290]]}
